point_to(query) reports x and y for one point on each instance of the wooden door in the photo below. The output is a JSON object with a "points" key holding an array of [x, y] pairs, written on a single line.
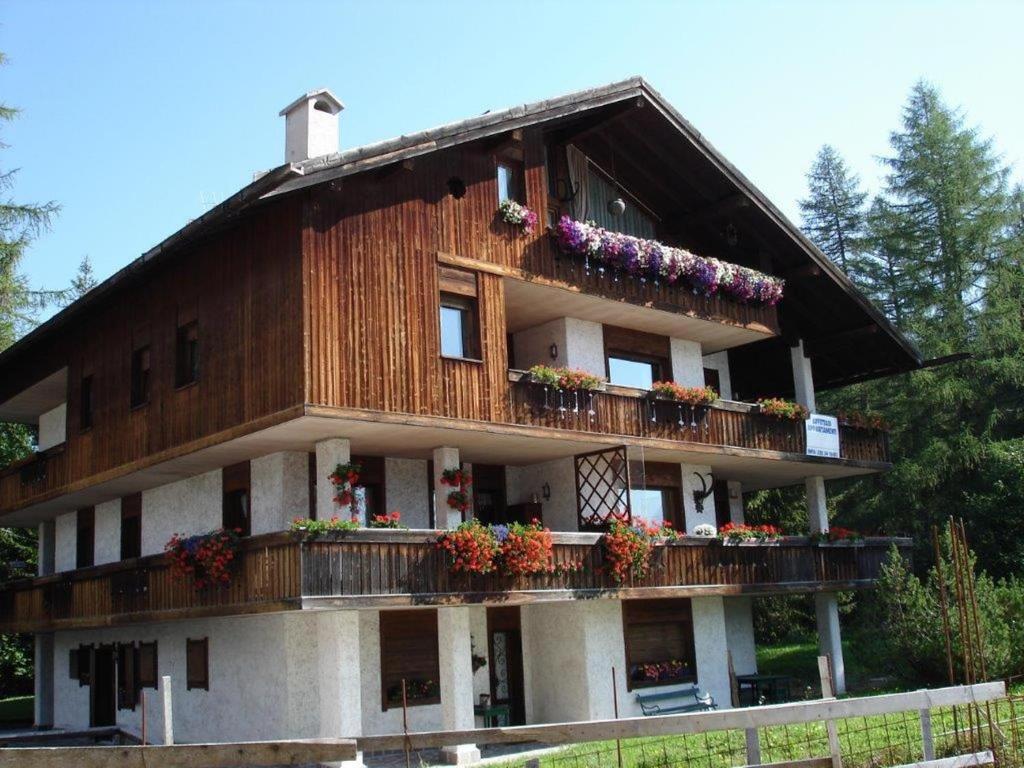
{"points": [[505, 643], [102, 687]]}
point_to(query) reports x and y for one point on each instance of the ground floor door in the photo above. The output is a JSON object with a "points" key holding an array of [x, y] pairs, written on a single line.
{"points": [[506, 651], [102, 687]]}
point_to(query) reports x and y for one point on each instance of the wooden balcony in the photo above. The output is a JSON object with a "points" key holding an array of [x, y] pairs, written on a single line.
{"points": [[275, 572], [624, 411], [33, 477]]}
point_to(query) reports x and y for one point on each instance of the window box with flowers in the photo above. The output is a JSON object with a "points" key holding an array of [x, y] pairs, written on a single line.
{"points": [[565, 390], [838, 535], [735, 533], [516, 550], [782, 410], [673, 403], [863, 420], [518, 215], [206, 559], [629, 548], [305, 528]]}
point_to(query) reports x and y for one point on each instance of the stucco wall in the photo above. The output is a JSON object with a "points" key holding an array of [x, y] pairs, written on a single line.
{"points": [[108, 532], [691, 483], [280, 490], [559, 511], [687, 364], [66, 535], [532, 346], [584, 345], [720, 362], [265, 682], [53, 427], [188, 506], [555, 662], [405, 489]]}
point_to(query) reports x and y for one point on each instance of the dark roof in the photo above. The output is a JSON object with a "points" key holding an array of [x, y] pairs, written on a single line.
{"points": [[292, 177]]}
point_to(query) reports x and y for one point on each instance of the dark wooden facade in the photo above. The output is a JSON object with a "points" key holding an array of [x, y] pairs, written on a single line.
{"points": [[329, 297], [275, 572]]}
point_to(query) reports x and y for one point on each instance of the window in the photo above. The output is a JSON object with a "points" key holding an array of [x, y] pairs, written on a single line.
{"points": [[186, 359], [131, 526], [460, 333], [656, 505], [126, 681], [631, 373], [85, 403], [82, 656], [140, 377], [634, 358], [197, 664], [146, 670], [236, 512], [659, 642], [369, 496], [85, 542], [510, 181], [408, 651]]}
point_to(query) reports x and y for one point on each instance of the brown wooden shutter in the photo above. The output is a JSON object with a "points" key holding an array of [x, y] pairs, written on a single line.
{"points": [[658, 631], [126, 682], [408, 651], [147, 668]]}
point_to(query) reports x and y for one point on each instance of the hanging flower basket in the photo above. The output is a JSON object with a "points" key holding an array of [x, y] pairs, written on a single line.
{"points": [[459, 481], [518, 215], [206, 558], [645, 260], [345, 478]]}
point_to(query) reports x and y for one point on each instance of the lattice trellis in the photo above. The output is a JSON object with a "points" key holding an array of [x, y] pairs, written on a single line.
{"points": [[602, 488]]}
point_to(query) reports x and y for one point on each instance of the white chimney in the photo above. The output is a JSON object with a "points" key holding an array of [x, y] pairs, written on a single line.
{"points": [[311, 126]]}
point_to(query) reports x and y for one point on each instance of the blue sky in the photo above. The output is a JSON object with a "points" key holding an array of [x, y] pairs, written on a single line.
{"points": [[137, 116]]}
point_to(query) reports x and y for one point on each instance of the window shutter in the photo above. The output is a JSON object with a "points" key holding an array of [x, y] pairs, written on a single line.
{"points": [[147, 668], [197, 670]]}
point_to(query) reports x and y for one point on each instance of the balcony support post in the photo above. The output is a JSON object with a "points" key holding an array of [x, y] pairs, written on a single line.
{"points": [[803, 378], [46, 559], [329, 454], [737, 514], [455, 650], [43, 714], [444, 516], [830, 641], [710, 645]]}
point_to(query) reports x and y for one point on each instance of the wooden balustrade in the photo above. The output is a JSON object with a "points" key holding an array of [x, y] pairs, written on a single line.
{"points": [[266, 577], [276, 572], [725, 423]]}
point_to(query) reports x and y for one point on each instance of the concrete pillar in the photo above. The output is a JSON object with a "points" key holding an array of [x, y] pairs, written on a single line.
{"points": [[692, 483], [803, 380], [340, 678], [329, 454], [43, 715], [280, 490], [830, 640], [445, 516], [739, 626], [455, 660], [710, 642], [817, 509], [687, 363], [47, 554], [737, 514]]}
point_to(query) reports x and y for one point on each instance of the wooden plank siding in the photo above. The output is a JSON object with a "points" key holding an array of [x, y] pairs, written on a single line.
{"points": [[243, 287], [276, 572]]}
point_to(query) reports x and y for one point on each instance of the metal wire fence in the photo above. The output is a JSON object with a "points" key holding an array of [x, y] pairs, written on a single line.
{"points": [[872, 741]]}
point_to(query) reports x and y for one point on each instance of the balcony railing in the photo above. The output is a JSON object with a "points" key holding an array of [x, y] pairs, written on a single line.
{"points": [[33, 477], [624, 411], [369, 568]]}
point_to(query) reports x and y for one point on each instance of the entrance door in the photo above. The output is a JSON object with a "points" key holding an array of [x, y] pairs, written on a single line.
{"points": [[506, 652], [102, 691]]}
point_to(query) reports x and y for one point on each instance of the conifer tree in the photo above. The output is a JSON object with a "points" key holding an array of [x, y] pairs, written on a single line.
{"points": [[833, 211]]}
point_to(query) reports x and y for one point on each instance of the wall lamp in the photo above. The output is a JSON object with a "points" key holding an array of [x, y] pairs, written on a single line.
{"points": [[553, 351], [545, 491]]}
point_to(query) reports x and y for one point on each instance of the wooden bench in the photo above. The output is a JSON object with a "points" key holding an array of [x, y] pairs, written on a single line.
{"points": [[673, 702]]}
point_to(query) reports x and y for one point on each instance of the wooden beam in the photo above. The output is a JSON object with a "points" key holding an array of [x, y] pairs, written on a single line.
{"points": [[611, 116], [721, 207], [504, 140], [698, 722], [957, 761], [256, 753], [402, 166]]}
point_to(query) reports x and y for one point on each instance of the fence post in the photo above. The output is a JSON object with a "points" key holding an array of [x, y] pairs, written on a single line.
{"points": [[828, 692], [753, 746], [927, 739], [168, 718]]}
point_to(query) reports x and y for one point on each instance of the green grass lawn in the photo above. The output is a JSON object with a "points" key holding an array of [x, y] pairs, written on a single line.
{"points": [[800, 661], [16, 711]]}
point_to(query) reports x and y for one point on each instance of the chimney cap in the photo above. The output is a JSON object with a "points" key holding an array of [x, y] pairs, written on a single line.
{"points": [[331, 103]]}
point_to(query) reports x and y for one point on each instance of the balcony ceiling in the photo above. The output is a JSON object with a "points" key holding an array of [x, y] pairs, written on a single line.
{"points": [[529, 304], [45, 395]]}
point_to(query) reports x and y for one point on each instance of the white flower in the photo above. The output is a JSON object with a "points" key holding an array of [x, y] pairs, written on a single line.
{"points": [[705, 530]]}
